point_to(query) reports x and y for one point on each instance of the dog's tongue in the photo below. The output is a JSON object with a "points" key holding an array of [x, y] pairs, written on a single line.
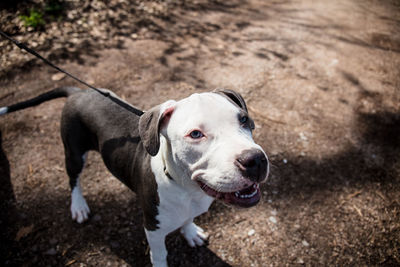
{"points": [[247, 197]]}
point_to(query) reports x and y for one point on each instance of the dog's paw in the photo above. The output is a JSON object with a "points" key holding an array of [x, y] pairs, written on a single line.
{"points": [[79, 208], [194, 235]]}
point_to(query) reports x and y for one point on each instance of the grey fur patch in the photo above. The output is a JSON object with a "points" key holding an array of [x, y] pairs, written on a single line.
{"points": [[149, 130]]}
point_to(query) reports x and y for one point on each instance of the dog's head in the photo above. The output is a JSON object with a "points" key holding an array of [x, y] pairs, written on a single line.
{"points": [[208, 139]]}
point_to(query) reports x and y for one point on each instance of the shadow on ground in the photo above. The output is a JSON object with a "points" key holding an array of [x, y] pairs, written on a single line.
{"points": [[298, 188], [375, 160], [7, 207], [366, 173], [371, 165]]}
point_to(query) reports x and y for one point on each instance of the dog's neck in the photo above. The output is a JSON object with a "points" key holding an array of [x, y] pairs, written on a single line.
{"points": [[167, 173], [171, 169]]}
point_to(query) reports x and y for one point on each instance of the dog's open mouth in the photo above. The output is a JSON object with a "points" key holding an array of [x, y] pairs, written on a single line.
{"points": [[246, 197]]}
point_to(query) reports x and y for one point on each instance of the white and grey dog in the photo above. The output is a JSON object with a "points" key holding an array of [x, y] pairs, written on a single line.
{"points": [[178, 156]]}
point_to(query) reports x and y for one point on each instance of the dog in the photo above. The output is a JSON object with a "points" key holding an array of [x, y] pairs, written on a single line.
{"points": [[177, 157]]}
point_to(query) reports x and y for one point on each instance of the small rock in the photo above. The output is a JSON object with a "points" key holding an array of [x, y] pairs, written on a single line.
{"points": [[285, 161], [273, 219], [58, 76], [303, 137], [251, 232], [305, 243]]}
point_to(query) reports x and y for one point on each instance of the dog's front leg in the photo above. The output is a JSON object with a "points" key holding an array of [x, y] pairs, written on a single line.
{"points": [[194, 235], [158, 251]]}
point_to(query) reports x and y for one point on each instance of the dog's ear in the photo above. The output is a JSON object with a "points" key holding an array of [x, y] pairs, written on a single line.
{"points": [[235, 97], [150, 124]]}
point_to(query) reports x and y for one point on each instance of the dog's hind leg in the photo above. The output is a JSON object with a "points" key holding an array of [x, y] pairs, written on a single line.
{"points": [[76, 145], [79, 208], [77, 142], [74, 164]]}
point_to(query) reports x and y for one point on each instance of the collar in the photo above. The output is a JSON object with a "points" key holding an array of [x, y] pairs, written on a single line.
{"points": [[165, 168], [167, 173]]}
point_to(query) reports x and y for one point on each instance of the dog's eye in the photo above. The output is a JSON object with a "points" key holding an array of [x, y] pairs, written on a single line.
{"points": [[243, 119], [196, 134]]}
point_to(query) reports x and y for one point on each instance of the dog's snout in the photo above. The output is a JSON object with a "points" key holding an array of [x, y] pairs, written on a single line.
{"points": [[253, 164]]}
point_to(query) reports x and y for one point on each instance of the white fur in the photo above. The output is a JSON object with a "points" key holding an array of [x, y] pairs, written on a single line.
{"points": [[79, 208], [193, 234], [3, 110], [179, 205], [210, 159]]}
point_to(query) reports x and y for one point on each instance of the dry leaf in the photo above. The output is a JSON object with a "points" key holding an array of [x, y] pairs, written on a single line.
{"points": [[58, 76], [70, 262], [24, 231]]}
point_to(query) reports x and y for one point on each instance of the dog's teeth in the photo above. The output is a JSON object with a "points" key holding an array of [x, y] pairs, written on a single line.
{"points": [[238, 195], [248, 196]]}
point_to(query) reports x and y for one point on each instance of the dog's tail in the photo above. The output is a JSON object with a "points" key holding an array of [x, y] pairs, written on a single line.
{"points": [[55, 93]]}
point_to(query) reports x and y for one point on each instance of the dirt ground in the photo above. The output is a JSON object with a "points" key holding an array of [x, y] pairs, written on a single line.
{"points": [[322, 81]]}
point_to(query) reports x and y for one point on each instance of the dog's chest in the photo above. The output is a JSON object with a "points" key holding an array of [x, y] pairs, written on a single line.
{"points": [[178, 205]]}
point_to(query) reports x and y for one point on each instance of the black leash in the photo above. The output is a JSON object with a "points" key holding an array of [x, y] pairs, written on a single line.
{"points": [[106, 94]]}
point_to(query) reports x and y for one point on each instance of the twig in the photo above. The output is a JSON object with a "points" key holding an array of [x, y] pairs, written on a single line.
{"points": [[380, 194], [353, 195], [70, 262], [349, 197], [358, 210]]}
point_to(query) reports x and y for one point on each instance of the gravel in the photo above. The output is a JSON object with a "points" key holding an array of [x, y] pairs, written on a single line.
{"points": [[81, 26]]}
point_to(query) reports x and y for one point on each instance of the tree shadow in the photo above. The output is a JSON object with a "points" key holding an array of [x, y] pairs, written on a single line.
{"points": [[305, 189], [115, 228], [375, 160], [8, 211]]}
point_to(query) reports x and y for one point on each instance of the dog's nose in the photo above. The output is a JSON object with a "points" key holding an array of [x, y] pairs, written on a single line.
{"points": [[253, 164]]}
